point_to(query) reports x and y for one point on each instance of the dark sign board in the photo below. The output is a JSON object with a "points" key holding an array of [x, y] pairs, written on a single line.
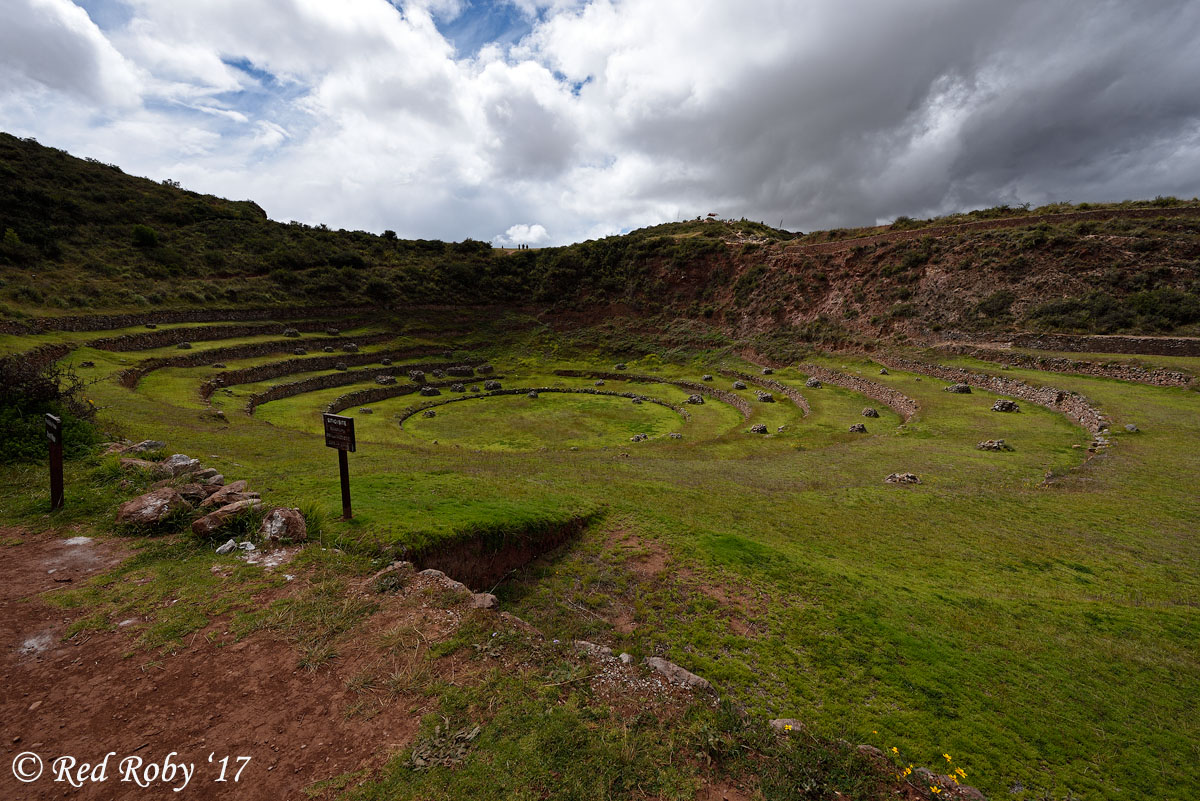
{"points": [[53, 429], [339, 432]]}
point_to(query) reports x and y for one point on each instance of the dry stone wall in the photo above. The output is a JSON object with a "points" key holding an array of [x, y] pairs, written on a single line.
{"points": [[108, 322], [410, 411], [1072, 404], [375, 394], [174, 336], [1121, 371], [1149, 346], [789, 392], [340, 379], [897, 401], [691, 386]]}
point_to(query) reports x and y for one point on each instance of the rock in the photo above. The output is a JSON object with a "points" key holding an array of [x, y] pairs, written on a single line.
{"points": [[439, 374], [283, 525], [491, 385], [429, 392], [780, 429], [484, 600], [485, 369], [626, 659], [902, 478], [765, 397], [195, 493], [621, 366], [870, 412], [151, 325], [599, 382], [593, 650], [391, 578], [333, 332], [151, 508], [439, 577], [758, 429], [153, 468], [385, 380], [474, 388], [739, 385], [328, 349], [870, 750], [385, 361], [928, 778], [959, 389], [184, 346], [858, 428], [461, 371], [180, 463], [229, 547], [87, 364], [637, 400], [216, 481], [429, 413], [785, 724], [447, 354], [417, 376], [883, 371], [147, 446], [1005, 405], [457, 388], [994, 445], [767, 371], [246, 545], [813, 383], [1131, 428], [639, 438], [675, 435], [201, 475], [698, 400], [341, 366], [532, 393], [706, 377], [291, 333], [214, 521], [228, 494], [677, 675], [218, 366]]}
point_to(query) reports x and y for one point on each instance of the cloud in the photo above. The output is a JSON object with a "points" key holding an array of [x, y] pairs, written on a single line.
{"points": [[612, 114], [522, 234]]}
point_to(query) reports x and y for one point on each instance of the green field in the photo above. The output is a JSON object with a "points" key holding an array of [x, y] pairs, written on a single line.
{"points": [[1032, 612]]}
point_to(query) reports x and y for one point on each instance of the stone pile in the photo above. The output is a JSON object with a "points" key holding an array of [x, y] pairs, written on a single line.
{"points": [[429, 391], [366, 410], [883, 371], [327, 349], [813, 383], [417, 376], [767, 371], [299, 352], [764, 397], [184, 346], [1005, 405], [429, 413], [341, 366], [959, 389], [870, 412], [491, 385], [532, 393], [706, 377], [460, 371], [457, 388], [291, 333], [384, 380], [621, 366], [697, 400], [485, 369], [639, 437], [739, 384], [994, 445], [599, 382], [350, 347], [758, 428], [333, 332], [439, 374], [902, 478], [858, 428]]}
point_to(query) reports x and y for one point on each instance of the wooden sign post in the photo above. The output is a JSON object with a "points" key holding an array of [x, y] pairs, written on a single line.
{"points": [[339, 434], [54, 437]]}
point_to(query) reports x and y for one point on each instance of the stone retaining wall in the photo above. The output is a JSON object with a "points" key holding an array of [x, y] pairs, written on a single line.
{"points": [[341, 379], [302, 364], [1149, 346], [897, 401], [41, 355], [790, 393], [733, 400], [1072, 404], [130, 377], [173, 336], [411, 410], [1157, 377], [108, 322]]}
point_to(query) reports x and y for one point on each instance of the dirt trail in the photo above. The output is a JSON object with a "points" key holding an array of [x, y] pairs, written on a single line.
{"points": [[98, 693]]}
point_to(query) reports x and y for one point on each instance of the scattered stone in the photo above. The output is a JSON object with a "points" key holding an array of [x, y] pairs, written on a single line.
{"points": [[447, 582], [858, 428], [599, 382], [484, 600], [813, 383], [626, 659], [639, 438], [328, 349], [764, 397], [758, 429], [429, 413], [491, 385], [179, 464], [485, 369], [428, 391], [384, 380], [184, 346], [229, 547], [228, 494], [214, 521], [153, 507], [87, 364], [675, 435], [621, 366], [391, 578], [218, 366], [902, 478], [151, 325], [216, 481], [474, 388], [593, 650], [706, 377], [958, 389], [1131, 428], [201, 475], [333, 332], [195, 493], [417, 376], [246, 545], [350, 347], [698, 400], [739, 385], [677, 675], [870, 412], [385, 361], [283, 525], [291, 333], [994, 445], [365, 410], [532, 393], [439, 373], [1005, 405], [785, 724], [147, 446], [767, 371], [299, 352], [457, 388], [883, 371]]}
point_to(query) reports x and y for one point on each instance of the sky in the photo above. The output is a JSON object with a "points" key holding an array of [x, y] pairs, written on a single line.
{"points": [[552, 121]]}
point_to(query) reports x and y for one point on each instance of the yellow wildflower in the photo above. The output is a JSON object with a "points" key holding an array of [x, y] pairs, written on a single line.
{"points": [[787, 727], [895, 750], [947, 756], [933, 788], [961, 772]]}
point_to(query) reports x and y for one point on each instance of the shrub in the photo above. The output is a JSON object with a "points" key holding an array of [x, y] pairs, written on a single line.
{"points": [[144, 236], [28, 391]]}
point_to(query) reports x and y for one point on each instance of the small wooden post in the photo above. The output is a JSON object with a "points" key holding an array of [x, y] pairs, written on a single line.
{"points": [[54, 437], [339, 434], [344, 469]]}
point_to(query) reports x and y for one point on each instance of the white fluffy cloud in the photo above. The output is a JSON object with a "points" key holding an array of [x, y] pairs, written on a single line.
{"points": [[610, 114]]}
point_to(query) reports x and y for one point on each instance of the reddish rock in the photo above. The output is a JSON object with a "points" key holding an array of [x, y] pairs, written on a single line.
{"points": [[230, 493], [214, 521], [153, 468], [151, 508], [283, 525]]}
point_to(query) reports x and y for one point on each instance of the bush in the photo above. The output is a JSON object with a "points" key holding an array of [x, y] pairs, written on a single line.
{"points": [[144, 236], [29, 391]]}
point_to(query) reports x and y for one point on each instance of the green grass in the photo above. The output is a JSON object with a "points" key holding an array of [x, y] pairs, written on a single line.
{"points": [[1040, 633]]}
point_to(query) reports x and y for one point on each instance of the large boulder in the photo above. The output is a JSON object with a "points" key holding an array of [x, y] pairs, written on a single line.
{"points": [[417, 376], [291, 333], [283, 525], [153, 507], [764, 397], [739, 385], [214, 521], [429, 392]]}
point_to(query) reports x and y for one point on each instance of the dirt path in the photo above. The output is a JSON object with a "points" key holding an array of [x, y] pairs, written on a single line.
{"points": [[91, 695]]}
